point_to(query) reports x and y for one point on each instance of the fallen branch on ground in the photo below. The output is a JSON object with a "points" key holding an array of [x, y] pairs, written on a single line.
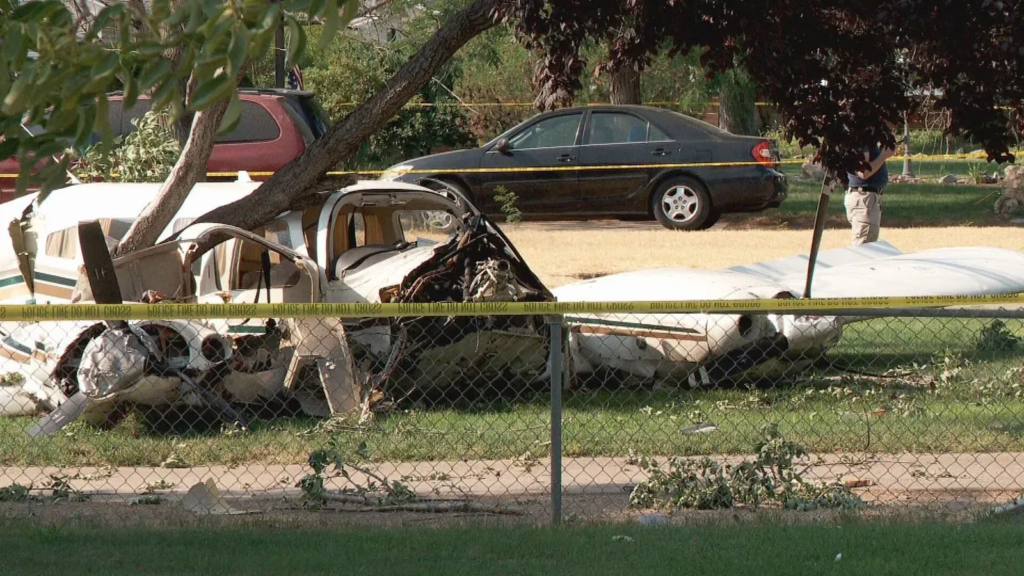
{"points": [[373, 504]]}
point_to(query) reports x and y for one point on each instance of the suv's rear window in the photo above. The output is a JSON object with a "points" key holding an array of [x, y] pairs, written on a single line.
{"points": [[314, 114], [255, 125]]}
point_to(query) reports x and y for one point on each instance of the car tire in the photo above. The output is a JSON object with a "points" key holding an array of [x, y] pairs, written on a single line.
{"points": [[683, 204], [712, 219]]}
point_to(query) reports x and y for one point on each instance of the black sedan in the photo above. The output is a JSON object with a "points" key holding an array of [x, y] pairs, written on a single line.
{"points": [[550, 162]]}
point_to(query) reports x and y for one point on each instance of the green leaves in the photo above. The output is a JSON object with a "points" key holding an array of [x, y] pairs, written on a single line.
{"points": [[231, 116], [238, 49], [34, 11], [14, 49], [167, 90], [8, 148], [102, 72], [55, 73], [114, 12], [21, 91], [154, 72], [211, 91], [334, 20], [296, 41], [331, 24], [86, 122]]}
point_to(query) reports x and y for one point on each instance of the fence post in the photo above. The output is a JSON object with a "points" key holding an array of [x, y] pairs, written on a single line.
{"points": [[556, 364]]}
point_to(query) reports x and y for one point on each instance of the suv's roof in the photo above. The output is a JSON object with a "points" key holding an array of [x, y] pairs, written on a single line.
{"points": [[279, 91], [269, 91]]}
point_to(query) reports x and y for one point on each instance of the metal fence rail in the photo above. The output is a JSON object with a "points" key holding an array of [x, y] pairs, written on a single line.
{"points": [[585, 415]]}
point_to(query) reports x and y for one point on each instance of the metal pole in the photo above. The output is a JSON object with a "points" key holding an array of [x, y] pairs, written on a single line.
{"points": [[819, 227], [279, 56], [556, 364]]}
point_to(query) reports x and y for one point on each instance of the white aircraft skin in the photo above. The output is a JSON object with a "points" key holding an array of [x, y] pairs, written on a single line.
{"points": [[673, 345]]}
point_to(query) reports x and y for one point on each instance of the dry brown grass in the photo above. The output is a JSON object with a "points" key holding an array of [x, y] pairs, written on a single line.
{"points": [[561, 253]]}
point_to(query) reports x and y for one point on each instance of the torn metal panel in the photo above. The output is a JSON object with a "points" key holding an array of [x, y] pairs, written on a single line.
{"points": [[322, 359], [110, 363], [24, 242]]}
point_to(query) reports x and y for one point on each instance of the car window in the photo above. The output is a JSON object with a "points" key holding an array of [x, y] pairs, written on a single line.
{"points": [[255, 125], [656, 135], [689, 128], [299, 121], [615, 128], [551, 133], [315, 115], [278, 232], [249, 271], [425, 224]]}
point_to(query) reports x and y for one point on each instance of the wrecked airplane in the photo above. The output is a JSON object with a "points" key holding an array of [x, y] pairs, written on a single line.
{"points": [[384, 242], [371, 242], [703, 349]]}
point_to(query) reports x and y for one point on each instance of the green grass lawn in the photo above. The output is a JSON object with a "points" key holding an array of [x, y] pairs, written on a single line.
{"points": [[741, 549], [905, 205], [948, 389]]}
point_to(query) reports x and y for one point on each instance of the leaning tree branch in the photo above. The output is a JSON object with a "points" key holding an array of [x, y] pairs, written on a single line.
{"points": [[302, 174], [189, 169]]}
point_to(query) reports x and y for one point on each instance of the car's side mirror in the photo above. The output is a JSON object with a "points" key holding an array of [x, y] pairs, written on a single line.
{"points": [[502, 146]]}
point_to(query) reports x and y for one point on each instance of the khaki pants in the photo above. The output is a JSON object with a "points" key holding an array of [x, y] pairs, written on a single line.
{"points": [[864, 211]]}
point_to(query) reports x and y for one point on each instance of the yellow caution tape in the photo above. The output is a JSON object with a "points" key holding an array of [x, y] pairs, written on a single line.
{"points": [[527, 104], [70, 312], [604, 167], [571, 168]]}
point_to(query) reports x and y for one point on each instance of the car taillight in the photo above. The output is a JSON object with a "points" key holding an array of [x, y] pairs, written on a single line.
{"points": [[762, 153]]}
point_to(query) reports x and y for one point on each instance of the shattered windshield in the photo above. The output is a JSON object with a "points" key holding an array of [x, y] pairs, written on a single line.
{"points": [[431, 225]]}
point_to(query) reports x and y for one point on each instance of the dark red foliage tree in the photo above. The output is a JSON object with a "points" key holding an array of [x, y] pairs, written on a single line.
{"points": [[841, 72]]}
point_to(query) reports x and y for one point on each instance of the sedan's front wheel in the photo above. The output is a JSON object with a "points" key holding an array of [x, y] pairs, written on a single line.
{"points": [[683, 204]]}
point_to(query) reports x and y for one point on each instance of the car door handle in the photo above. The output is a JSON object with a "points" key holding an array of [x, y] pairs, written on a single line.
{"points": [[565, 158], [661, 152]]}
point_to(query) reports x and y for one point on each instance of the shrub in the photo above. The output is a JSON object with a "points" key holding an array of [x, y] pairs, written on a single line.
{"points": [[146, 155]]}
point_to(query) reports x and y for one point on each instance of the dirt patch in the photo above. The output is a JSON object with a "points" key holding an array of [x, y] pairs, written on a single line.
{"points": [[595, 489]]}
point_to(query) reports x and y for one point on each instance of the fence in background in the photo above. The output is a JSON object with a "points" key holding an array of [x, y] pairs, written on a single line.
{"points": [[574, 414]]}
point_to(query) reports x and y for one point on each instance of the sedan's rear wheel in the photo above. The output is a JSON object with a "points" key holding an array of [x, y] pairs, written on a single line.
{"points": [[683, 204]]}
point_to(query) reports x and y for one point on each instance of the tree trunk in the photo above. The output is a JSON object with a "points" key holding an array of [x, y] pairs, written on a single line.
{"points": [[299, 176], [626, 86], [189, 169], [737, 112]]}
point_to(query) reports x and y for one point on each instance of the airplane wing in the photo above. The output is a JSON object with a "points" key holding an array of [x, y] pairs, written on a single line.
{"points": [[880, 270], [870, 270], [777, 270], [941, 272]]}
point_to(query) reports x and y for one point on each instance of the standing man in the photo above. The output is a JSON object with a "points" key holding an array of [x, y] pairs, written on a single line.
{"points": [[864, 195]]}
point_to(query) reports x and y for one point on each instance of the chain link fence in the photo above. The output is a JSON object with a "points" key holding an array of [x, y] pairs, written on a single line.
{"points": [[588, 416]]}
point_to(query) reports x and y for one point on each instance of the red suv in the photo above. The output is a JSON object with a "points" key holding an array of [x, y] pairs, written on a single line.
{"points": [[275, 127]]}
